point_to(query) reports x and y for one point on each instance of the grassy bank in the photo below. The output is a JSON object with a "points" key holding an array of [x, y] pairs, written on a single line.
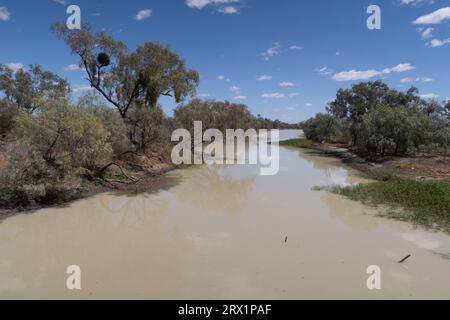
{"points": [[425, 203], [296, 143]]}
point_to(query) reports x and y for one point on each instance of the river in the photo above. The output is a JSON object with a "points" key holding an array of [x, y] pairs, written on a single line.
{"points": [[220, 233]]}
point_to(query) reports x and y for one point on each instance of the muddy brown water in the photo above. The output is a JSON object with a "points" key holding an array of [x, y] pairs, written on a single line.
{"points": [[220, 234]]}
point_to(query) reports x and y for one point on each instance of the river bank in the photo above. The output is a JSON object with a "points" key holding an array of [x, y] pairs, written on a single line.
{"points": [[414, 189], [133, 175]]}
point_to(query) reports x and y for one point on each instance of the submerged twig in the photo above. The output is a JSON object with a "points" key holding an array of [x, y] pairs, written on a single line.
{"points": [[405, 258]]}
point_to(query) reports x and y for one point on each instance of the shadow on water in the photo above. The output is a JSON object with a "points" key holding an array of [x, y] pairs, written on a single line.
{"points": [[212, 188], [161, 183]]}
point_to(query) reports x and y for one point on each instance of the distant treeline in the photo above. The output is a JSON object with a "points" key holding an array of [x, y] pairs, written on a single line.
{"points": [[382, 121]]}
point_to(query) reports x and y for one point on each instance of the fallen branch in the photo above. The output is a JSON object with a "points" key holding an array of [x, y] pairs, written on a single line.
{"points": [[405, 258]]}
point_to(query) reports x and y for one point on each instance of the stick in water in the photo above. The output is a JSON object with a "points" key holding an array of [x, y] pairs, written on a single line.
{"points": [[405, 258]]}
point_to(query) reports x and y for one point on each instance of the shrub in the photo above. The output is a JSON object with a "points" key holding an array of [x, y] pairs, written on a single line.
{"points": [[8, 113], [385, 130], [320, 128], [110, 119], [148, 129], [54, 149]]}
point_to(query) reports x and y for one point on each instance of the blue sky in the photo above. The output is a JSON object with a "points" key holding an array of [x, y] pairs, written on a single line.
{"points": [[285, 59]]}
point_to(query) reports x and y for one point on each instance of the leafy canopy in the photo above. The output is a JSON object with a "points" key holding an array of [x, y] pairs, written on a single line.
{"points": [[127, 79]]}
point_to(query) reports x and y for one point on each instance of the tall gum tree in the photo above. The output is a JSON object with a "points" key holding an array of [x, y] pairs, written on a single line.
{"points": [[126, 78]]}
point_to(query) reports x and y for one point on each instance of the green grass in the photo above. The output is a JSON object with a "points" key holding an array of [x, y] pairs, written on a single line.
{"points": [[382, 174], [296, 143], [425, 203]]}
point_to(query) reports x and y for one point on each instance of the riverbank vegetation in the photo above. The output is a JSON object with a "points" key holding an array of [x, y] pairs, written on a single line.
{"points": [[425, 203], [376, 120], [409, 137], [296, 143], [55, 147]]}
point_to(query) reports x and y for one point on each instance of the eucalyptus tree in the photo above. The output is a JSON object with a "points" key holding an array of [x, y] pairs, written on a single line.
{"points": [[30, 89], [126, 79]]}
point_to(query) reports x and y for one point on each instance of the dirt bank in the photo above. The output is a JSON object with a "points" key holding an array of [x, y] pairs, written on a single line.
{"points": [[419, 166], [132, 174]]}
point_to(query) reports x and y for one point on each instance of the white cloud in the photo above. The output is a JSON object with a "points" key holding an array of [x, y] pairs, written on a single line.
{"points": [[406, 80], [410, 80], [62, 2], [436, 43], [429, 96], [402, 67], [435, 17], [294, 94], [235, 89], [271, 52], [228, 10], [72, 67], [353, 75], [264, 77], [415, 3], [81, 87], [424, 79], [427, 33], [200, 4], [275, 95], [222, 6], [276, 49], [240, 98], [222, 78], [144, 14], [204, 95], [325, 71], [4, 14], [286, 84], [15, 66], [308, 104]]}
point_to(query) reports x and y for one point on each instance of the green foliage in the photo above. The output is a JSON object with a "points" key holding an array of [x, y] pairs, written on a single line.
{"points": [[319, 128], [149, 129], [382, 174], [352, 104], [111, 121], [136, 78], [213, 114], [382, 121], [296, 143], [423, 202], [31, 89], [8, 114], [64, 134], [385, 130], [161, 72], [54, 149]]}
